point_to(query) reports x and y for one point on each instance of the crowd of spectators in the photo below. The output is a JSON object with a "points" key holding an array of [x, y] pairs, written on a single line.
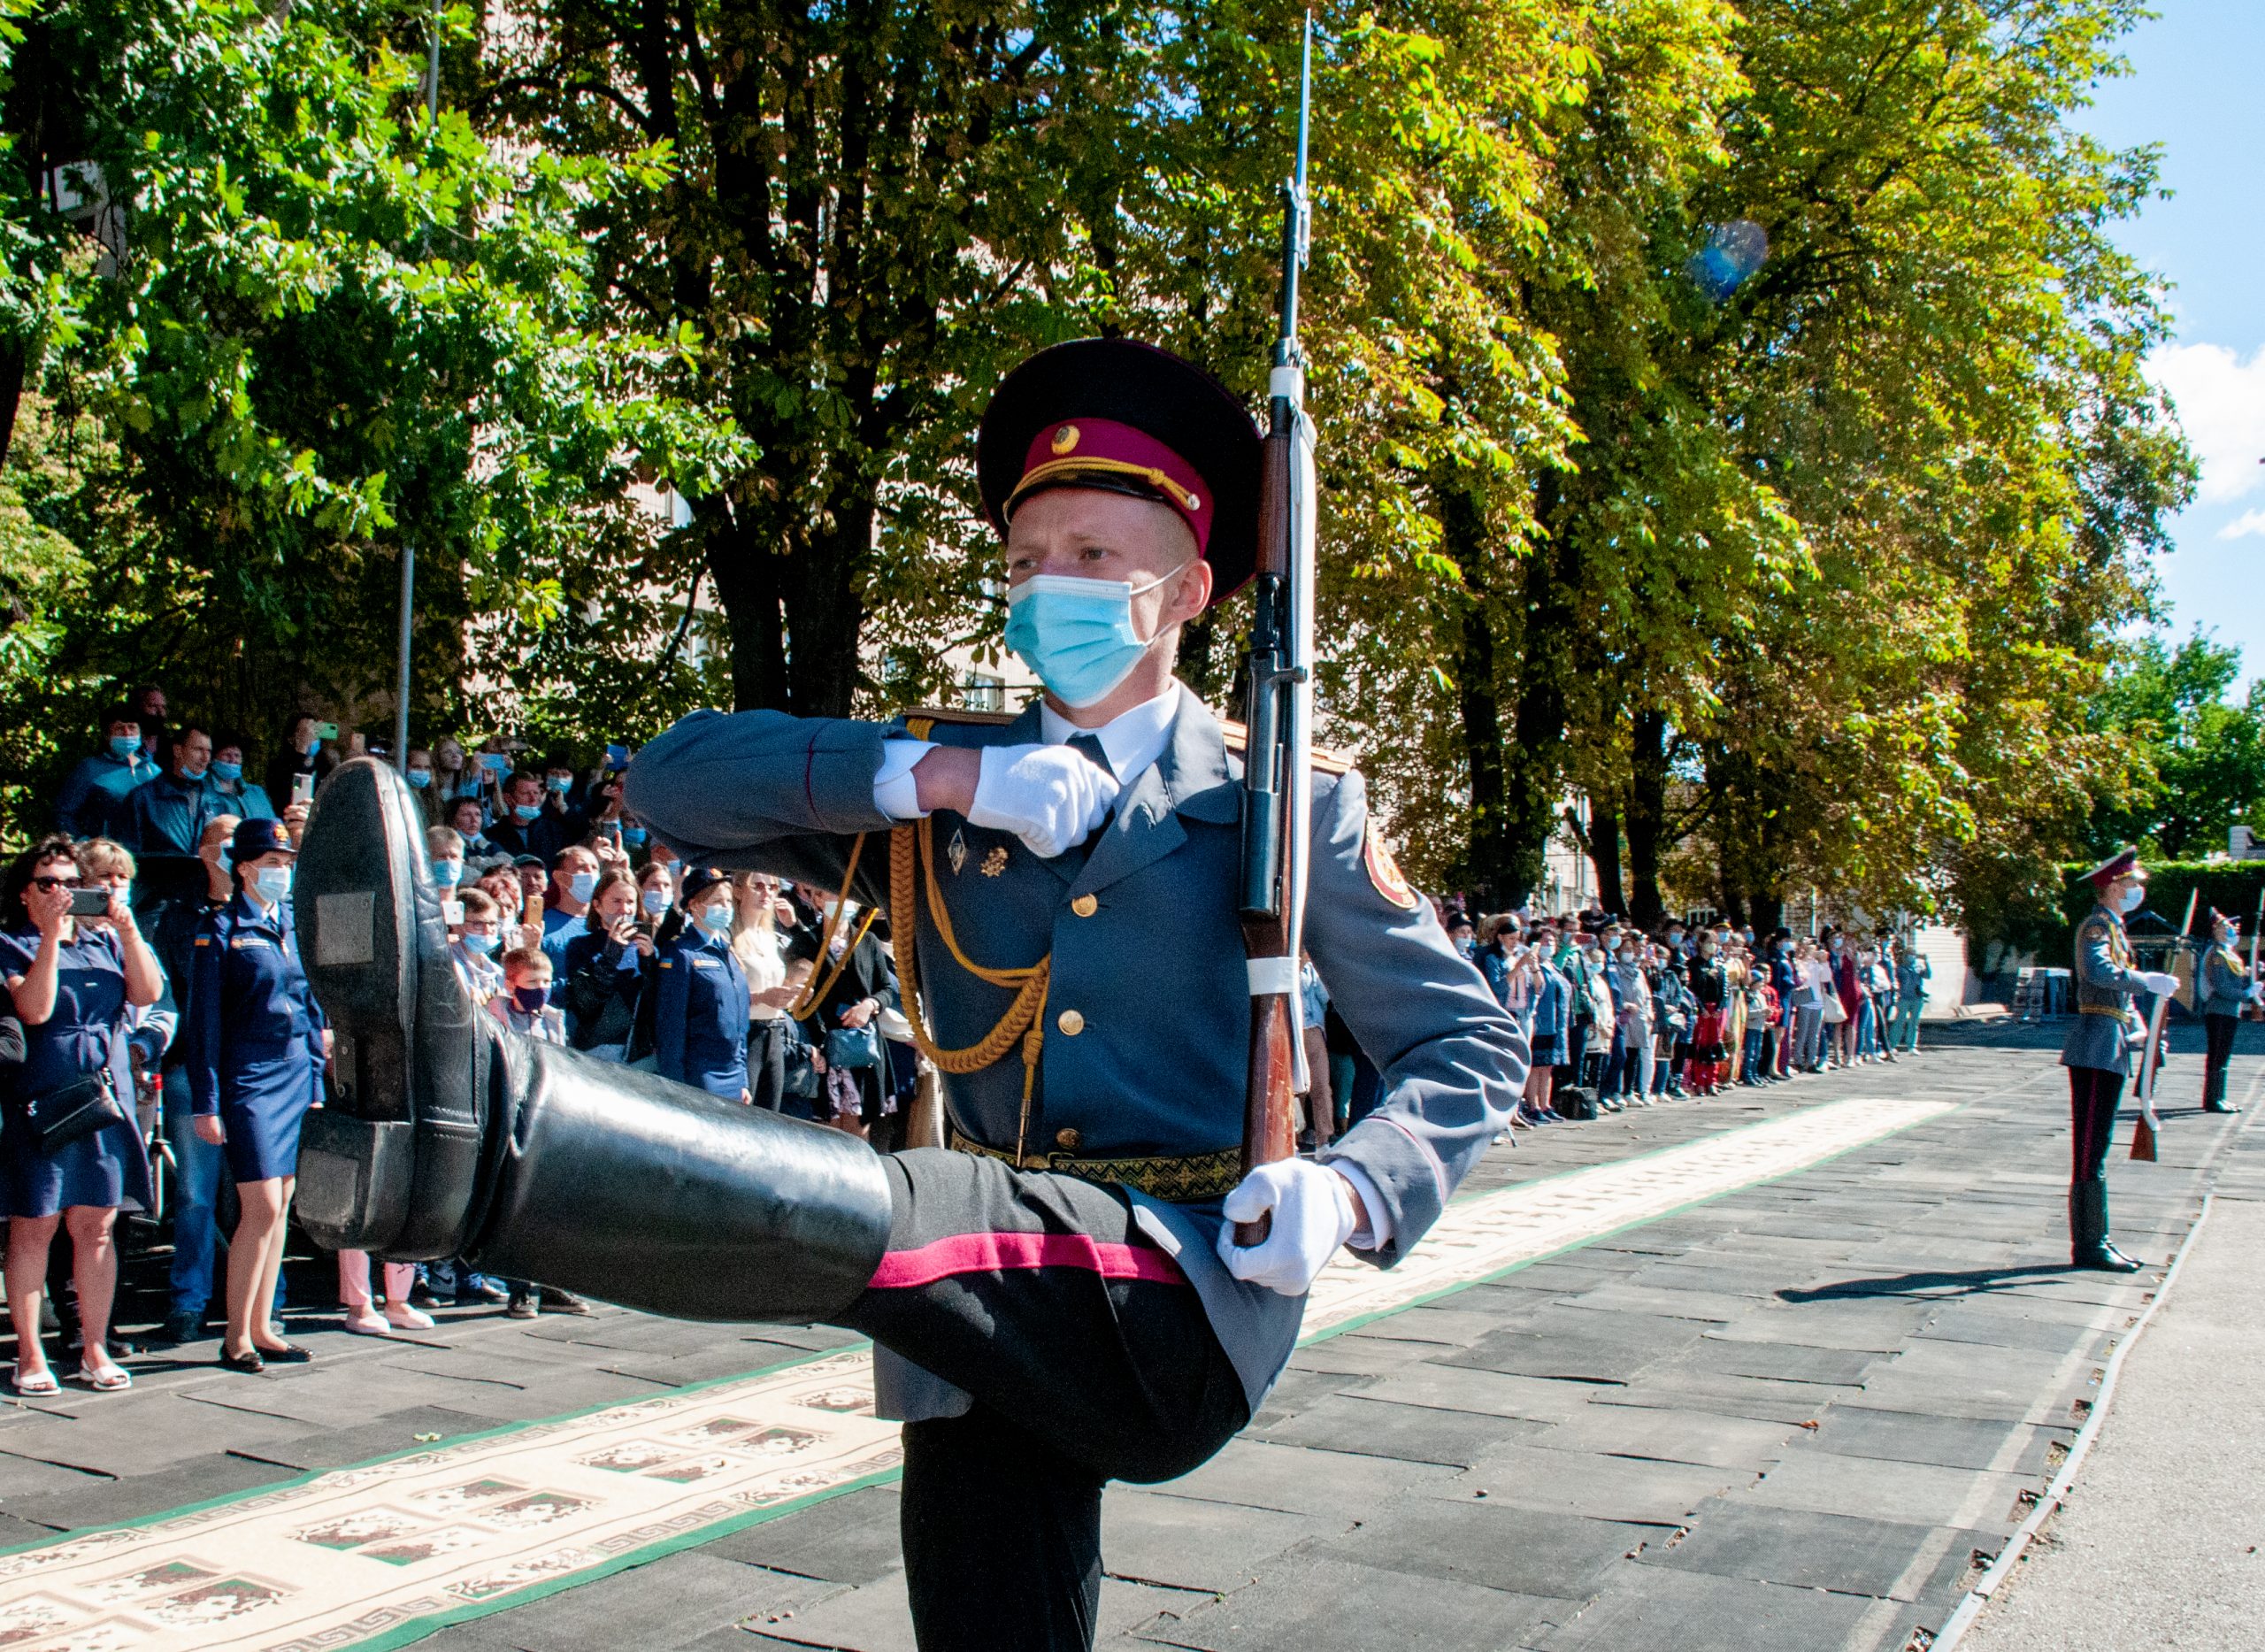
{"points": [[151, 962], [1618, 1018], [152, 971]]}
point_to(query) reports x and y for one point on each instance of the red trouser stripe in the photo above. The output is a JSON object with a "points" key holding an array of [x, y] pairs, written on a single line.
{"points": [[996, 1253]]}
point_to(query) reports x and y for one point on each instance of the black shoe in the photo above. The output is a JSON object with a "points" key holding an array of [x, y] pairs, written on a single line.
{"points": [[249, 1362], [2103, 1258], [521, 1308], [2218, 1107], [289, 1354], [178, 1329], [420, 1296], [555, 1300]]}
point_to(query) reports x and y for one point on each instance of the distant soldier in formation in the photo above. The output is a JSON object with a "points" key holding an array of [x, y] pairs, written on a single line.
{"points": [[2098, 1052], [2222, 987]]}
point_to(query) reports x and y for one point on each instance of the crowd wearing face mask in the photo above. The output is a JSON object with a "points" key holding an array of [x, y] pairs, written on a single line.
{"points": [[176, 1008], [1621, 1017]]}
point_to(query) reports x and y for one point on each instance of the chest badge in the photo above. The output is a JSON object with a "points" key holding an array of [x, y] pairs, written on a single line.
{"points": [[956, 852], [995, 862], [1384, 872]]}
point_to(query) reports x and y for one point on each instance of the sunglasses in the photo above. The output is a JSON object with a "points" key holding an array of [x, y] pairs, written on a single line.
{"points": [[54, 883]]}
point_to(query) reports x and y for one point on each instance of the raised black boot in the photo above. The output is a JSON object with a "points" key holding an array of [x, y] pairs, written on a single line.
{"points": [[2214, 1092], [2089, 1246], [450, 1135]]}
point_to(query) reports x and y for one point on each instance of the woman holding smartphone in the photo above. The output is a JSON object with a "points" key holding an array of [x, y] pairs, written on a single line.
{"points": [[256, 1046], [607, 970], [71, 984]]}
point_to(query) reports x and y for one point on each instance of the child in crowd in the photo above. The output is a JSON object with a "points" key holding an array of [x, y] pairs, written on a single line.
{"points": [[524, 1005]]}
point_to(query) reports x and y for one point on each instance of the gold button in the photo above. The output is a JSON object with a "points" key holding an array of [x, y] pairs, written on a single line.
{"points": [[1067, 1140], [1071, 1023], [1084, 906]]}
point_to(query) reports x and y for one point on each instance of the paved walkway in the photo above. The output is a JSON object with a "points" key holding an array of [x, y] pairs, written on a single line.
{"points": [[1791, 1416]]}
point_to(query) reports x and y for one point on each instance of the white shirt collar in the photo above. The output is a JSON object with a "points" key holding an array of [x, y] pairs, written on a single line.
{"points": [[1130, 740]]}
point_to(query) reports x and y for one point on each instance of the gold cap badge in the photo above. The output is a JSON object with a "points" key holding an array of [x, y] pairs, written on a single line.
{"points": [[1065, 439]]}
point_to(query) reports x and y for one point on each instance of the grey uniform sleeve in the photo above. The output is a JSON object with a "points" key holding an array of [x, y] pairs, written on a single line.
{"points": [[1452, 1060], [2096, 968], [761, 791]]}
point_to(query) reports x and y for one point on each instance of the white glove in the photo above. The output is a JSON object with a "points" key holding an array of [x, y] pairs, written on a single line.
{"points": [[1313, 1216], [1050, 797], [2163, 985]]}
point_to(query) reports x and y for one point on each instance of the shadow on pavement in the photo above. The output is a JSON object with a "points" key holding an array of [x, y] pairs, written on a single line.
{"points": [[1972, 1281]]}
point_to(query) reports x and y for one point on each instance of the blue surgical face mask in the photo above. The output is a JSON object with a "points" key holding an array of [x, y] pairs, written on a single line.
{"points": [[474, 941], [273, 882], [447, 873], [191, 775], [2128, 901], [125, 748], [421, 777], [559, 783], [716, 917], [526, 811], [582, 885], [227, 863], [1076, 635], [229, 771], [633, 836], [655, 901]]}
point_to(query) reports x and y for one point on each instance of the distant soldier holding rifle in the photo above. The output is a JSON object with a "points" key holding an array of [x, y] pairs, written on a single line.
{"points": [[2098, 1051], [2223, 987], [1057, 1298]]}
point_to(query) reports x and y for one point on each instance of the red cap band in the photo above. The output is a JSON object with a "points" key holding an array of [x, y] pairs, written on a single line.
{"points": [[1101, 449]]}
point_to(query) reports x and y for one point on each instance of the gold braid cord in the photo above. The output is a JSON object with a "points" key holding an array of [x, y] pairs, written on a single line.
{"points": [[915, 843], [803, 1007]]}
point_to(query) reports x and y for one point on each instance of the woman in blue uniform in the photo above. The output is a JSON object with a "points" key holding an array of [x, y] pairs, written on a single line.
{"points": [[700, 1016], [256, 1048], [69, 984]]}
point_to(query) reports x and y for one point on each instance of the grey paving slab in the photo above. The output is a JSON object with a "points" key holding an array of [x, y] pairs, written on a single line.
{"points": [[665, 1605], [1957, 1442], [1355, 1354], [1881, 1488], [1873, 1327], [1781, 1362], [878, 1619], [1762, 1398], [1297, 1479], [1188, 1543], [1493, 1393], [15, 1533], [1672, 1435], [1643, 1491], [851, 1540], [1567, 1342], [388, 1435], [1377, 1427], [1997, 1330], [1652, 1609], [1313, 1604], [1802, 1548], [138, 1496], [1493, 1544], [1713, 1307]]}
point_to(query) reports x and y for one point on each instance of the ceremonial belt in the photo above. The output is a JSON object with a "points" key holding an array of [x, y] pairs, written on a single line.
{"points": [[2120, 1011], [1177, 1178]]}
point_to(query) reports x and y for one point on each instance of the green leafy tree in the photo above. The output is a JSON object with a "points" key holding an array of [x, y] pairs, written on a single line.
{"points": [[2202, 753]]}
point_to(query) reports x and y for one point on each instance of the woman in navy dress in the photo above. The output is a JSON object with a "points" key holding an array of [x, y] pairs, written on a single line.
{"points": [[70, 984], [257, 1043], [700, 1000]]}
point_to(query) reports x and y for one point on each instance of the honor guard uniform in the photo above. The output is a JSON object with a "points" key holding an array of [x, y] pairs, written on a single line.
{"points": [[2222, 987], [2098, 1051], [1054, 1295]]}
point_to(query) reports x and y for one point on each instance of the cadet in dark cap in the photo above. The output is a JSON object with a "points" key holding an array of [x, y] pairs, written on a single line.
{"points": [[2222, 987], [257, 1042], [1055, 1298], [2098, 1051]]}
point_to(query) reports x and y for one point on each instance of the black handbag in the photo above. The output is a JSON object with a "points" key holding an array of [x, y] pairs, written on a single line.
{"points": [[79, 1109]]}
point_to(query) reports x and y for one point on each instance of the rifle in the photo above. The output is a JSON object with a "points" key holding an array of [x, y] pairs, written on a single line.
{"points": [[1277, 699], [2143, 1133]]}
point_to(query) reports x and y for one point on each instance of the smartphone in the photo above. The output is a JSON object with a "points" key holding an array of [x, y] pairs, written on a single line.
{"points": [[495, 763], [303, 788], [617, 757], [452, 912], [89, 902], [326, 731]]}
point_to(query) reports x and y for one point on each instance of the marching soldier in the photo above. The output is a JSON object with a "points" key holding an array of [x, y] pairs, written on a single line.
{"points": [[2222, 987], [2098, 1051], [1056, 1297]]}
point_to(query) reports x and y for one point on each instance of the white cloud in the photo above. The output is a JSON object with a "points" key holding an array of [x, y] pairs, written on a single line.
{"points": [[2221, 401], [2248, 524]]}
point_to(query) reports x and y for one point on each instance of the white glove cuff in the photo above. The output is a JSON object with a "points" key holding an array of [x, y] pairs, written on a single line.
{"points": [[895, 793]]}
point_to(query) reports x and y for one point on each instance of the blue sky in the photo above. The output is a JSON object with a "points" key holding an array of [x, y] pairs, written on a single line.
{"points": [[2197, 88]]}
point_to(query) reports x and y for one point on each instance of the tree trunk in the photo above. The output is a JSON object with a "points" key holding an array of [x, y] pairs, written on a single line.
{"points": [[1604, 853], [1647, 817], [1534, 768], [1489, 873]]}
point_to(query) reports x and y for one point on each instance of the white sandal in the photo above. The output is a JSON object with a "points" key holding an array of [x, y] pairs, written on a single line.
{"points": [[40, 1388], [111, 1379]]}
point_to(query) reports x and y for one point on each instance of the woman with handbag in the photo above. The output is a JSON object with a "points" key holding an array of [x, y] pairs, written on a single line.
{"points": [[700, 998], [256, 1046], [70, 1153], [852, 985], [762, 955]]}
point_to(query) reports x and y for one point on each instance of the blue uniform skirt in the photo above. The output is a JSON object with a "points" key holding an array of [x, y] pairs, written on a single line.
{"points": [[108, 1170], [261, 1110]]}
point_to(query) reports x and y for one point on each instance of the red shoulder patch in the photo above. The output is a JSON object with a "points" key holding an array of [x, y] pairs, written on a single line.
{"points": [[1384, 872]]}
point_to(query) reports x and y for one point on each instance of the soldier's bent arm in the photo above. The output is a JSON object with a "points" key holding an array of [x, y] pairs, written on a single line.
{"points": [[2096, 965], [1452, 1060]]}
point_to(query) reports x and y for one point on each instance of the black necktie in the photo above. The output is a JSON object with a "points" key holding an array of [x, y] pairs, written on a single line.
{"points": [[1088, 746]]}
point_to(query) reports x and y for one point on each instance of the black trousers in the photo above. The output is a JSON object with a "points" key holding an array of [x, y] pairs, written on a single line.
{"points": [[1089, 1358], [766, 1061], [2094, 1093], [2217, 1033]]}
